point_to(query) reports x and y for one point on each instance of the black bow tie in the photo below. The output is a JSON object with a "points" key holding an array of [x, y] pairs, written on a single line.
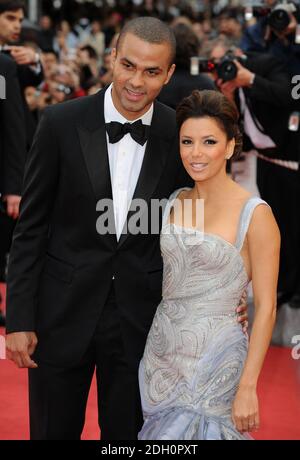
{"points": [[139, 132]]}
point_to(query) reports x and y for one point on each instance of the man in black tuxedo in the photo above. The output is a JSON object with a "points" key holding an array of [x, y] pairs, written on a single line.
{"points": [[12, 153], [89, 298]]}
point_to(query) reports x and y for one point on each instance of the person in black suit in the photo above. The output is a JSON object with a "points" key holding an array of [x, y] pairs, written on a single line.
{"points": [[261, 38], [12, 152], [29, 73], [29, 66], [80, 297], [182, 84], [12, 138], [262, 92]]}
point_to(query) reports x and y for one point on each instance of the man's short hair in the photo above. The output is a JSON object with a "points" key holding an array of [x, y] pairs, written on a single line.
{"points": [[50, 51], [11, 5], [90, 50], [222, 41], [151, 30]]}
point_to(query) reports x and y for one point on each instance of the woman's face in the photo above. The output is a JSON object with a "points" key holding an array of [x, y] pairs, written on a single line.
{"points": [[204, 148]]}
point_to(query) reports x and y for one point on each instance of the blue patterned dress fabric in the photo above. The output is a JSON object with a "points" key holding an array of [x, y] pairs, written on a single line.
{"points": [[196, 349]]}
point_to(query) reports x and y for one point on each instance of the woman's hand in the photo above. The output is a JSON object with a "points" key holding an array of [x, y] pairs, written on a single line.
{"points": [[245, 410]]}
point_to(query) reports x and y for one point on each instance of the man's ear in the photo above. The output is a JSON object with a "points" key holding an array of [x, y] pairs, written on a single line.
{"points": [[170, 73]]}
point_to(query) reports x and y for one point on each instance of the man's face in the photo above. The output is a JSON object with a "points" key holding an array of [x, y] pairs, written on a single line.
{"points": [[230, 27], [45, 23], [217, 53], [49, 63], [50, 59], [10, 26], [140, 70], [84, 57]]}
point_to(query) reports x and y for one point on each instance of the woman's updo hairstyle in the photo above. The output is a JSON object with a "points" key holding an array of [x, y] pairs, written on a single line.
{"points": [[215, 105]]}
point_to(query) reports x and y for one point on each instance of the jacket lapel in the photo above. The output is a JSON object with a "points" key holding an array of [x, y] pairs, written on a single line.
{"points": [[92, 135], [94, 148], [93, 141]]}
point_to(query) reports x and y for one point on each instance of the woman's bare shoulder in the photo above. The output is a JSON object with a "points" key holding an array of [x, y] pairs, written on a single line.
{"points": [[263, 228]]}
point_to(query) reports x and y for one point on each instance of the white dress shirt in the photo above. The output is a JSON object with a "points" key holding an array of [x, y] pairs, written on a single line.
{"points": [[257, 136], [125, 162], [259, 139]]}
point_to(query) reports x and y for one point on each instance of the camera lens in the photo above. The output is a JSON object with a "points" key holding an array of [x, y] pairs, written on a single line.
{"points": [[227, 70], [279, 20]]}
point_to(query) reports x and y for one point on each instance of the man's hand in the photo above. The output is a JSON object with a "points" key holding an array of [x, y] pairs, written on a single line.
{"points": [[243, 79], [227, 88], [13, 205], [242, 311], [19, 347], [23, 55]]}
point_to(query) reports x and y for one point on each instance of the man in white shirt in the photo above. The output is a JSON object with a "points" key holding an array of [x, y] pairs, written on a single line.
{"points": [[125, 160]]}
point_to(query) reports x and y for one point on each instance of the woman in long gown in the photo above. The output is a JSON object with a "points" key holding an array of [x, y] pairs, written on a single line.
{"points": [[198, 376]]}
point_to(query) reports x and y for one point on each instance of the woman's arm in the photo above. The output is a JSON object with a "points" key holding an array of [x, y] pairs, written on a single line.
{"points": [[264, 246]]}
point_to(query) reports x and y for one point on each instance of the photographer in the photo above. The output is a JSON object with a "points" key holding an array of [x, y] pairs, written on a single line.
{"points": [[275, 32], [183, 83], [12, 156], [17, 121], [284, 43], [29, 67], [261, 89]]}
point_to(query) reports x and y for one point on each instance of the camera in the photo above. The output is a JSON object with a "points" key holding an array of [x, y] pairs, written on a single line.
{"points": [[278, 16], [226, 68], [67, 90]]}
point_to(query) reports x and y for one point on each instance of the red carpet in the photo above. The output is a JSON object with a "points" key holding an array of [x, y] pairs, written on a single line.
{"points": [[279, 392]]}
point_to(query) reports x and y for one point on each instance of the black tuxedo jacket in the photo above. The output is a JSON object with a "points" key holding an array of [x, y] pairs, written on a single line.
{"points": [[61, 269], [12, 131], [270, 100], [28, 77], [181, 85]]}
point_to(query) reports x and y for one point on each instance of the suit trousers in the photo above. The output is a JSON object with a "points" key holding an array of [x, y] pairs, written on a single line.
{"points": [[58, 396]]}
